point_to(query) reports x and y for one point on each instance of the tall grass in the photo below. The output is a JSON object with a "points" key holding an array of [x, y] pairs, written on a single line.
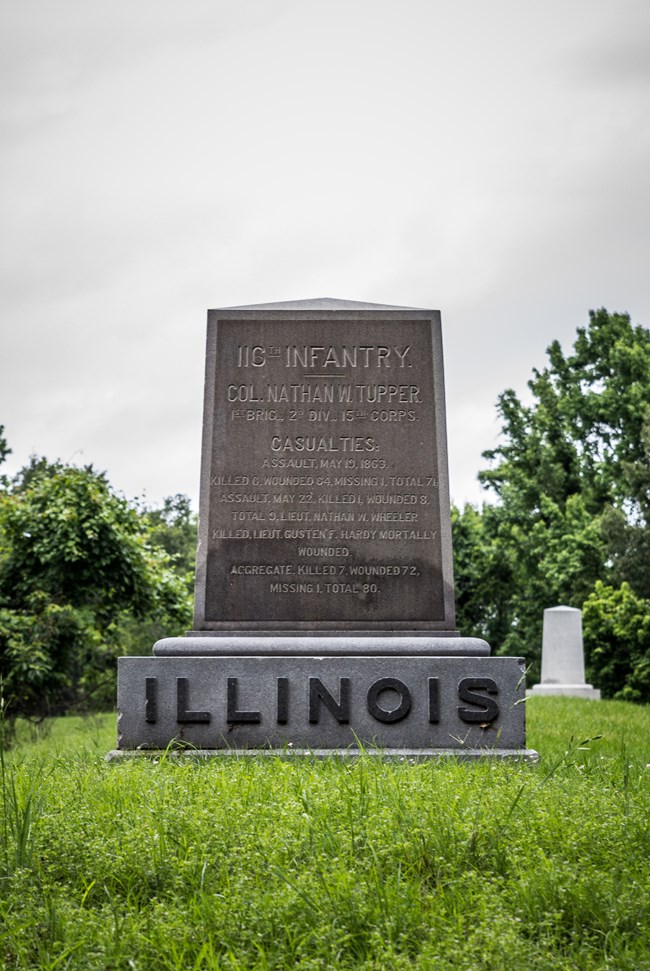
{"points": [[265, 863]]}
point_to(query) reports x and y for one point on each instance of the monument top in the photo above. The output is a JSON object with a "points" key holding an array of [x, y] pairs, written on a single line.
{"points": [[324, 303]]}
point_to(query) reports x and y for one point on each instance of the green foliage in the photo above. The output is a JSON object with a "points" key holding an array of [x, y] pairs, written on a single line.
{"points": [[626, 529], [617, 640], [312, 864], [4, 448], [69, 535], [583, 432], [75, 559], [483, 573], [50, 654], [572, 479], [4, 452], [173, 528]]}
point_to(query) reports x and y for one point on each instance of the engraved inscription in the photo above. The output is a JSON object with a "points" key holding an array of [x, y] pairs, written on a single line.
{"points": [[387, 699], [324, 501]]}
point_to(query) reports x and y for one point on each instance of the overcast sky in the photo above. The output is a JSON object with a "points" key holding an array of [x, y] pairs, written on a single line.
{"points": [[488, 158]]}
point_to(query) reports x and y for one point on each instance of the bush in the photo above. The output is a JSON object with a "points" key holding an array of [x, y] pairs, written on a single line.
{"points": [[76, 559], [616, 625]]}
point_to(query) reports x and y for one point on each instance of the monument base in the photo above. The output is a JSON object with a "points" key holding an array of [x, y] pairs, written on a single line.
{"points": [[573, 690], [394, 754], [321, 645], [331, 704]]}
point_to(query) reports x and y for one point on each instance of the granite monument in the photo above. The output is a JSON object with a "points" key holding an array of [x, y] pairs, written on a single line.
{"points": [[324, 608]]}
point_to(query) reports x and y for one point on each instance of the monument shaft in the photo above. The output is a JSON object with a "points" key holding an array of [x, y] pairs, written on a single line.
{"points": [[324, 483]]}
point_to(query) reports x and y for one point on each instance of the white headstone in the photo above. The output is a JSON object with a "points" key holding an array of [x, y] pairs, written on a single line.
{"points": [[563, 659]]}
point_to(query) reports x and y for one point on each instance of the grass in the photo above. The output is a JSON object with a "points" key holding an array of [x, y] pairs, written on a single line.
{"points": [[270, 864]]}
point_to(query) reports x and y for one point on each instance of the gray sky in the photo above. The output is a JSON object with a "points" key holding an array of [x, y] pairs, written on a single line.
{"points": [[159, 157]]}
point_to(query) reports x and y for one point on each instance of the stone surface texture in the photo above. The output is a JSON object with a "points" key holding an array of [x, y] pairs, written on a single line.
{"points": [[324, 486], [347, 645], [313, 702], [563, 660]]}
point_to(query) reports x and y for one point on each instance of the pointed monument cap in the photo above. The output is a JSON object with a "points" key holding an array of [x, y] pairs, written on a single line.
{"points": [[324, 303]]}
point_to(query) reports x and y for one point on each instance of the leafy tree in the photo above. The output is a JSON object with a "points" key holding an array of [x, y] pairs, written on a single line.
{"points": [[4, 452], [617, 640], [483, 572], [173, 527], [37, 467], [572, 481], [583, 431], [75, 560], [626, 528]]}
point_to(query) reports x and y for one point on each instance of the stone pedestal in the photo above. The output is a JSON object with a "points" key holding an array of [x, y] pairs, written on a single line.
{"points": [[563, 661], [382, 703], [324, 611]]}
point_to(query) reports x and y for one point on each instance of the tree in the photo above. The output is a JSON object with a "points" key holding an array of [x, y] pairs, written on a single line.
{"points": [[4, 451], [626, 528], [483, 572], [617, 641], [75, 560], [572, 481], [583, 431], [173, 528]]}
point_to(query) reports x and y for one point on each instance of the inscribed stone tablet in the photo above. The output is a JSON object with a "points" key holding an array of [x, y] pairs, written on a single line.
{"points": [[324, 486]]}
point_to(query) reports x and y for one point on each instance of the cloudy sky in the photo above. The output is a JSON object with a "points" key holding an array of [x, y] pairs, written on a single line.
{"points": [[490, 158]]}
